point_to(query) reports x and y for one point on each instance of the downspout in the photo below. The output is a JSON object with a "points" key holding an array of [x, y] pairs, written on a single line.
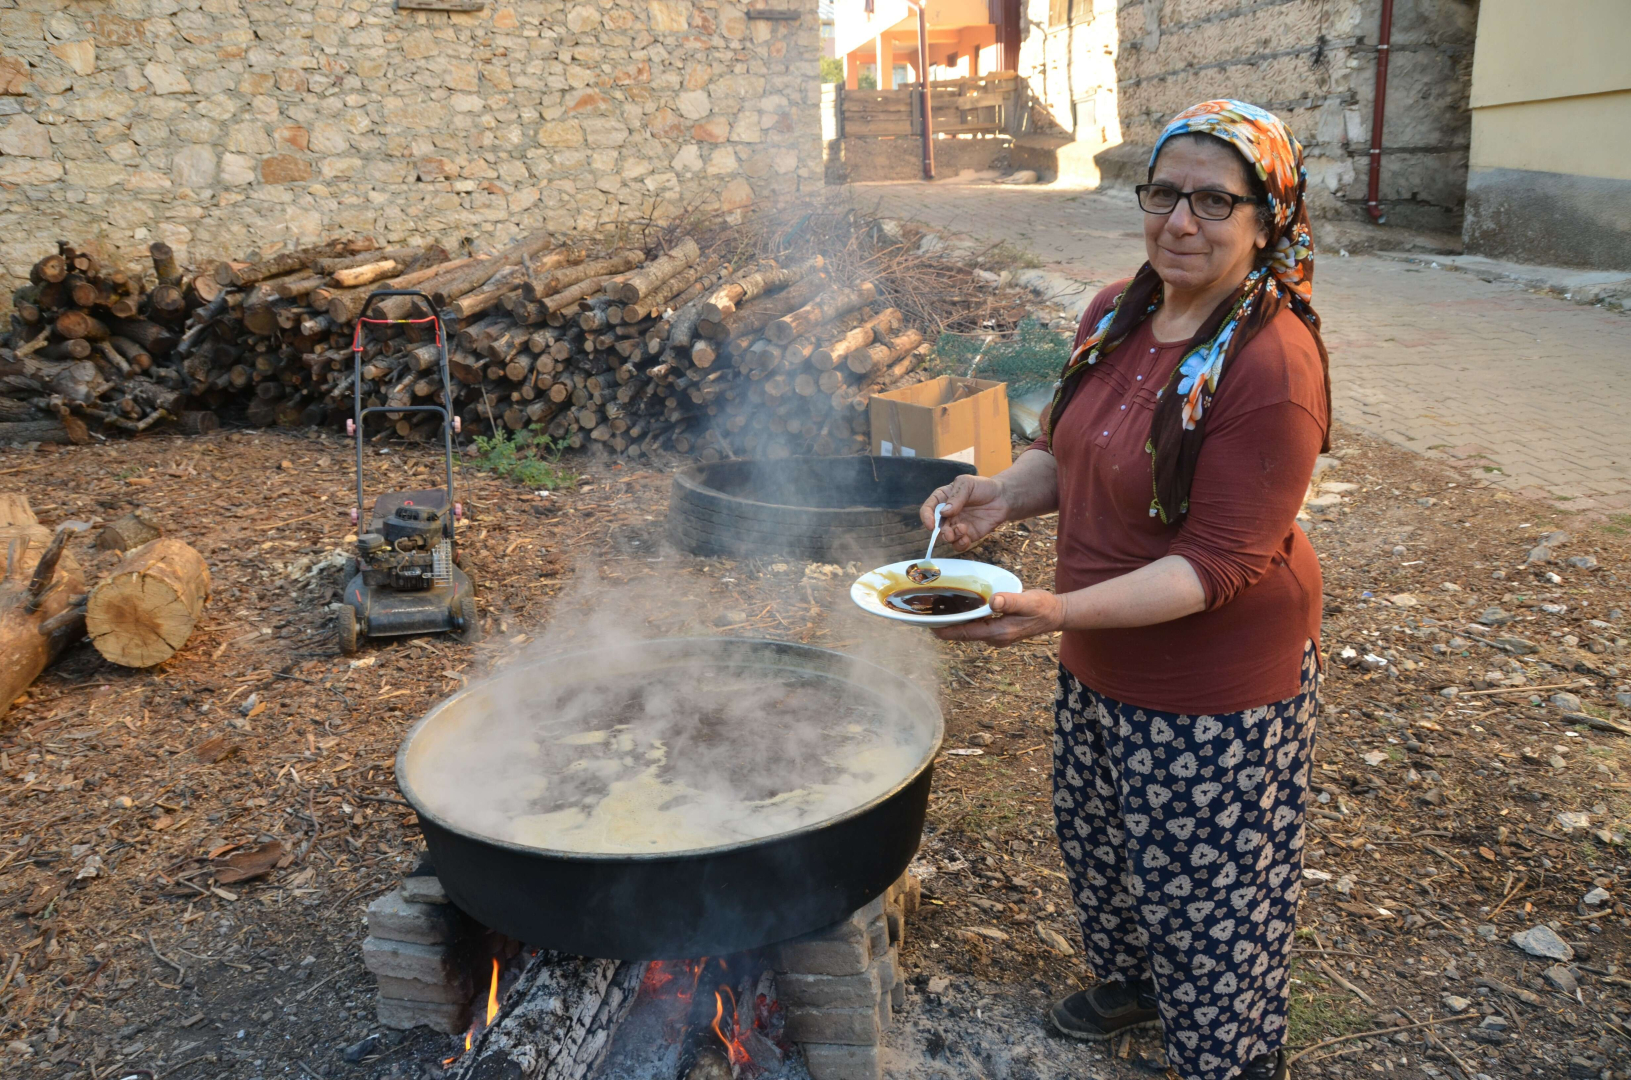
{"points": [[923, 76], [1384, 37]]}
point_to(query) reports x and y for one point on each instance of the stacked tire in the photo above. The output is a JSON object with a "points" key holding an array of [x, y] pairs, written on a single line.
{"points": [[819, 509]]}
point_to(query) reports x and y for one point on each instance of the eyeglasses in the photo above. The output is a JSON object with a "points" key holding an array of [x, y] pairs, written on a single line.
{"points": [[1203, 203]]}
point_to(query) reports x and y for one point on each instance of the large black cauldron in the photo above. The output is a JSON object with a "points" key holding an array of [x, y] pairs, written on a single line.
{"points": [[702, 902], [823, 509]]}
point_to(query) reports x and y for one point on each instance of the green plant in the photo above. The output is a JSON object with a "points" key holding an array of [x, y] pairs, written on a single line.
{"points": [[1316, 1013], [867, 81], [1029, 358], [528, 457], [832, 69]]}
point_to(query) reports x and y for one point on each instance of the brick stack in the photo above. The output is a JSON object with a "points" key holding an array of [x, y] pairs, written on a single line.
{"points": [[416, 948], [840, 985]]}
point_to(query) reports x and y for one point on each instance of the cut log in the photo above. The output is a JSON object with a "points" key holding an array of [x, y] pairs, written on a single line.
{"points": [[67, 429], [236, 273], [40, 594], [541, 286], [365, 274], [556, 1022], [156, 339], [452, 286], [670, 291], [830, 357], [655, 273], [80, 324], [829, 305], [128, 533], [52, 268], [343, 307], [565, 299], [874, 359], [164, 263], [146, 610]]}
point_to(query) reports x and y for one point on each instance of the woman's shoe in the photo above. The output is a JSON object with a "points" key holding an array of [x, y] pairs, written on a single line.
{"points": [[1268, 1067], [1105, 1009]]}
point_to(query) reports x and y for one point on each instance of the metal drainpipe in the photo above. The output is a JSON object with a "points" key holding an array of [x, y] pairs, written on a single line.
{"points": [[1372, 207], [923, 76]]}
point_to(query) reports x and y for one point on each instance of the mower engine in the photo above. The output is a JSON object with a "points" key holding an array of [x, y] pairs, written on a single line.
{"points": [[410, 552]]}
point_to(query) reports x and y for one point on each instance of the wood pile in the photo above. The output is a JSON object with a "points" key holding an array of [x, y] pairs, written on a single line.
{"points": [[634, 350]]}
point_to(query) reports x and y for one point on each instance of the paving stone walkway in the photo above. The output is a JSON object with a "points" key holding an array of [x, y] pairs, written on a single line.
{"points": [[1441, 362]]}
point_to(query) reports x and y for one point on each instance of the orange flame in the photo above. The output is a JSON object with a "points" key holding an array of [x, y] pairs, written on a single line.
{"points": [[735, 1052], [479, 1025], [492, 995]]}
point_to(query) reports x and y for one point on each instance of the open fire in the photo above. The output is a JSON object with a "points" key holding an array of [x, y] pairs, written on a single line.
{"points": [[717, 1018], [722, 1013], [816, 1004]]}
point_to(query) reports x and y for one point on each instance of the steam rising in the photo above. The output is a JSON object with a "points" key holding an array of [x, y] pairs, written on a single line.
{"points": [[607, 753]]}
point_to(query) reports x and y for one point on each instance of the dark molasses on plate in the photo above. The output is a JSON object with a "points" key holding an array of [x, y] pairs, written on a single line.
{"points": [[934, 600]]}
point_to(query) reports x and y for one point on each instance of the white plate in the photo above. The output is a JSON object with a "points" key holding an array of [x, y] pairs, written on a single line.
{"points": [[987, 580]]}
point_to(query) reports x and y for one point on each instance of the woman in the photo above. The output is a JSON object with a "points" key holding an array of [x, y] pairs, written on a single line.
{"points": [[1188, 679]]}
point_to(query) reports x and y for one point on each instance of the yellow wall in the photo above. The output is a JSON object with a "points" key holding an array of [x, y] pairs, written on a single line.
{"points": [[1530, 50], [1583, 136], [1551, 87]]}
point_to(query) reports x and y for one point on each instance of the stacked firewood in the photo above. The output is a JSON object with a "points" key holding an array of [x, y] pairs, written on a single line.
{"points": [[87, 340], [630, 349]]}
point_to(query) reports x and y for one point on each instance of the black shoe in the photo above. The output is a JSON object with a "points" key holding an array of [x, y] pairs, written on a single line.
{"points": [[1105, 1009], [1268, 1067]]}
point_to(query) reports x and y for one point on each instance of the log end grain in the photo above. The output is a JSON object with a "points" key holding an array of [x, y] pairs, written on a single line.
{"points": [[146, 610]]}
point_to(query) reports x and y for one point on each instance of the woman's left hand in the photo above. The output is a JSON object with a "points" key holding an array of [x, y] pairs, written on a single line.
{"points": [[1016, 616]]}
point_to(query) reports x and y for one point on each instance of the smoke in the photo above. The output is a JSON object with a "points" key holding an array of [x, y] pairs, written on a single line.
{"points": [[599, 739]]}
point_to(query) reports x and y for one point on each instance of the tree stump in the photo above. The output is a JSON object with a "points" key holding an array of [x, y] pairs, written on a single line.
{"points": [[145, 611], [39, 597]]}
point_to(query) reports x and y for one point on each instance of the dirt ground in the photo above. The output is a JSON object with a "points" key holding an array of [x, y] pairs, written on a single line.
{"points": [[126, 794]]}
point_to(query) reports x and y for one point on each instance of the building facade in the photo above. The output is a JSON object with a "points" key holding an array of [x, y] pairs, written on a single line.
{"points": [[1550, 175]]}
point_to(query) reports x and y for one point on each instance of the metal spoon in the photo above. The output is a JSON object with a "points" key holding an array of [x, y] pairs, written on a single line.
{"points": [[926, 571]]}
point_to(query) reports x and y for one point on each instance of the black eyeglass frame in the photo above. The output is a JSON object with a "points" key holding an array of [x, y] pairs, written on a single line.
{"points": [[1184, 196]]}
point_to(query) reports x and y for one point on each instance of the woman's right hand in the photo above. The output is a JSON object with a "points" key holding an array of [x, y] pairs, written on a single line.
{"points": [[977, 505]]}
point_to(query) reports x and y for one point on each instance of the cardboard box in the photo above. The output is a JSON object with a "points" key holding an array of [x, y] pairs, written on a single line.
{"points": [[949, 417]]}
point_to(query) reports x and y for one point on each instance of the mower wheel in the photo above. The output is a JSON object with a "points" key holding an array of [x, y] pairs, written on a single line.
{"points": [[470, 632], [348, 629], [350, 568]]}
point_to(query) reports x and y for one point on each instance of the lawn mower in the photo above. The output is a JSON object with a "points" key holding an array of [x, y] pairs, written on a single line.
{"points": [[405, 577]]}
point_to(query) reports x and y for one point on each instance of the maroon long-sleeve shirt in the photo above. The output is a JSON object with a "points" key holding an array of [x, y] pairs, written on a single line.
{"points": [[1262, 578]]}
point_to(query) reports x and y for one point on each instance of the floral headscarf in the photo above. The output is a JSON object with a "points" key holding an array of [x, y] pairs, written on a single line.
{"points": [[1284, 276]]}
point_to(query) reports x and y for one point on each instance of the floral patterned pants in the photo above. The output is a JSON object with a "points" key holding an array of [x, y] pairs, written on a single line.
{"points": [[1183, 836]]}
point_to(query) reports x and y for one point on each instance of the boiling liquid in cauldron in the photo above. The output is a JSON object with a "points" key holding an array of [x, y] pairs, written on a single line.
{"points": [[677, 759], [934, 600]]}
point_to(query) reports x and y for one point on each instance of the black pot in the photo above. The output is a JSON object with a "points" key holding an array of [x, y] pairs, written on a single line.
{"points": [[823, 509], [687, 904]]}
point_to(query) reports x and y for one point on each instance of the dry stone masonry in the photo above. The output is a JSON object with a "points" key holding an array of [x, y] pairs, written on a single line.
{"points": [[223, 125]]}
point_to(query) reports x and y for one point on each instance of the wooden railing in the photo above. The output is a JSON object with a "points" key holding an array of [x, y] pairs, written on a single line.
{"points": [[987, 105]]}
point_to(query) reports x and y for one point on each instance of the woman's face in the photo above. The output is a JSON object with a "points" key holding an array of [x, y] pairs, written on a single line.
{"points": [[1194, 254]]}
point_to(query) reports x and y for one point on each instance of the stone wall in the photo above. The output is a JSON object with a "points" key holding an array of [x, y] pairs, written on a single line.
{"points": [[222, 126], [1313, 62]]}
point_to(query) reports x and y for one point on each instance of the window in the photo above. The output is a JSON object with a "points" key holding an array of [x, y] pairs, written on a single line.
{"points": [[1063, 12]]}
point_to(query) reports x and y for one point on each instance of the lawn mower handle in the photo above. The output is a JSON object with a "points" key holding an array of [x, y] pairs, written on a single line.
{"points": [[450, 422]]}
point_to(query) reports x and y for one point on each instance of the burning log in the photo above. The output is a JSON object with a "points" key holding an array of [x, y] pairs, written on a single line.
{"points": [[556, 1023]]}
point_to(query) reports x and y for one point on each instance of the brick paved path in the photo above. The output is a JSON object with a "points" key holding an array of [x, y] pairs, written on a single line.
{"points": [[1437, 361]]}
